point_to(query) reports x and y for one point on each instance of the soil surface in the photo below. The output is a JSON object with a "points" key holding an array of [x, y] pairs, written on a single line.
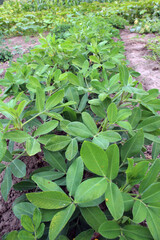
{"points": [[135, 46], [18, 46], [8, 221], [136, 53]]}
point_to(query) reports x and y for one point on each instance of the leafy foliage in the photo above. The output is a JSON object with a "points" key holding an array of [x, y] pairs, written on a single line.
{"points": [[5, 55], [75, 100]]}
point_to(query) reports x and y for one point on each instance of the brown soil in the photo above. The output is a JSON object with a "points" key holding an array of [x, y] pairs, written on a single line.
{"points": [[18, 46], [136, 51], [8, 222]]}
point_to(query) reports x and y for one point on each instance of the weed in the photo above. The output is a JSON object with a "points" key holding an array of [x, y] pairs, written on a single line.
{"points": [[5, 55]]}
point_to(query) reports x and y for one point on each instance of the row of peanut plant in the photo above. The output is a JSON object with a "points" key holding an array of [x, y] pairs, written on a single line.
{"points": [[32, 16], [74, 100]]}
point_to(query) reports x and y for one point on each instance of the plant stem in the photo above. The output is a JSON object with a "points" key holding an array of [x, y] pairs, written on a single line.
{"points": [[32, 118]]}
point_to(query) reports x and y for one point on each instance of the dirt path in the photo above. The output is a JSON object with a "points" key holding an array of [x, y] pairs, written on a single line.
{"points": [[135, 46]]}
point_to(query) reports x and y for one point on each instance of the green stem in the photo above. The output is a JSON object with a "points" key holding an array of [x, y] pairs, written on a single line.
{"points": [[104, 125], [20, 154], [32, 118]]}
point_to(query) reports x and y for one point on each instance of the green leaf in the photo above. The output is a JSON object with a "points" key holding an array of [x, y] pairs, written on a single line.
{"points": [[136, 173], [17, 136], [46, 128], [45, 184], [110, 229], [54, 115], [55, 159], [2, 167], [123, 114], [89, 122], [47, 215], [59, 221], [83, 102], [23, 208], [97, 85], [152, 94], [40, 230], [125, 125], [137, 232], [123, 75], [139, 211], [27, 223], [71, 150], [3, 147], [45, 138], [151, 176], [74, 175], [101, 141], [49, 199], [150, 124], [23, 235], [124, 238], [37, 217], [114, 201], [134, 90], [128, 201], [54, 99], [32, 146], [57, 143], [6, 183], [94, 158], [132, 146], [111, 136], [112, 113], [12, 235], [7, 157], [70, 114], [73, 79], [98, 110], [153, 220], [135, 117], [72, 95], [113, 161], [24, 185], [18, 168], [93, 216], [62, 237], [152, 138], [79, 129], [155, 150], [94, 59], [153, 104], [33, 84], [86, 235], [90, 190], [108, 65], [152, 193], [50, 175], [40, 99], [95, 102]]}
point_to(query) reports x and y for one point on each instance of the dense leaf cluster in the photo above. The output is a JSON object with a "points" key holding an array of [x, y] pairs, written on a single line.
{"points": [[30, 17], [5, 55]]}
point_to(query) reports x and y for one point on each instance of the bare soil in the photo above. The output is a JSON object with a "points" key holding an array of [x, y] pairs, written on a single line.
{"points": [[8, 221], [18, 46], [135, 52]]}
